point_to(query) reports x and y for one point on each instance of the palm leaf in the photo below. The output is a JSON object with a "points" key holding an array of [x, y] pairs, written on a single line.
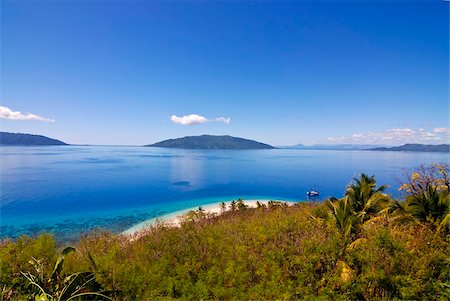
{"points": [[89, 295], [31, 278], [59, 262], [357, 243], [77, 282], [444, 223]]}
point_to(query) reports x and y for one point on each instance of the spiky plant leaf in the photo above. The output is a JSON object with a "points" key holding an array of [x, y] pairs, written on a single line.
{"points": [[60, 261]]}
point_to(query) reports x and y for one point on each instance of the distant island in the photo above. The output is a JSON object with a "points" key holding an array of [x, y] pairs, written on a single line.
{"points": [[27, 139], [442, 148], [331, 146], [406, 147], [212, 142]]}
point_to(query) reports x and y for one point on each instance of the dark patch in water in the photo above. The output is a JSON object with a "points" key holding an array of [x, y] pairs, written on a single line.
{"points": [[92, 160], [11, 154], [213, 158], [45, 154], [181, 183], [156, 156], [98, 160]]}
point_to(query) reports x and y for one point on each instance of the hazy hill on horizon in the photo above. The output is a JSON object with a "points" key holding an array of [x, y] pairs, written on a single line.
{"points": [[332, 146], [415, 147], [7, 138], [229, 142], [211, 142], [411, 147]]}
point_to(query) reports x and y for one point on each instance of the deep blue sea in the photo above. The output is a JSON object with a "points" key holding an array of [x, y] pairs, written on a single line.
{"points": [[70, 190]]}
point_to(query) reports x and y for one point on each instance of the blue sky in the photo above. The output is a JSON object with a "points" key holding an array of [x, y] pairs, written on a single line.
{"points": [[114, 72]]}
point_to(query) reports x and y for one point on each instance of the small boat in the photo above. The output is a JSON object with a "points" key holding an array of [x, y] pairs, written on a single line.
{"points": [[312, 193]]}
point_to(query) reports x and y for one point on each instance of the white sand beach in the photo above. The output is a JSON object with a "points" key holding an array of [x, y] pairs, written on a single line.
{"points": [[174, 219]]}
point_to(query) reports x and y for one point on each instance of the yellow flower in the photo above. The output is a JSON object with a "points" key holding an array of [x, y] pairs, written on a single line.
{"points": [[415, 176], [441, 169], [404, 186], [442, 188]]}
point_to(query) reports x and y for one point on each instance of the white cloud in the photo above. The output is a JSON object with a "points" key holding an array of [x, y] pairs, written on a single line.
{"points": [[7, 113], [225, 120], [442, 130], [194, 119], [396, 136]]}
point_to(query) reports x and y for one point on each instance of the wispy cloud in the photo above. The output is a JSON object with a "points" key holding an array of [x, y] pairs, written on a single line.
{"points": [[194, 119], [396, 136], [7, 113], [225, 120], [442, 130]]}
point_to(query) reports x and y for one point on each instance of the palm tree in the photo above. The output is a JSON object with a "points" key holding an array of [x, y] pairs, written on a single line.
{"points": [[365, 198], [223, 207], [428, 197], [345, 220], [260, 205], [430, 206], [341, 211], [200, 212], [233, 206], [240, 204]]}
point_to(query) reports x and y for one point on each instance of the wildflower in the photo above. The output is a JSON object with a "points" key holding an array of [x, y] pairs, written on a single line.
{"points": [[404, 186]]}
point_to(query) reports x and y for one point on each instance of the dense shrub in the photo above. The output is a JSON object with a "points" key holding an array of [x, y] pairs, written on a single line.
{"points": [[362, 247], [285, 253]]}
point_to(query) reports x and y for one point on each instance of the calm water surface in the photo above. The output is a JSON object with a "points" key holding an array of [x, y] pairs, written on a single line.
{"points": [[69, 190]]}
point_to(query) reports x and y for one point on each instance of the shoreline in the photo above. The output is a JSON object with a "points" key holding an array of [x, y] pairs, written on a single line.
{"points": [[174, 219]]}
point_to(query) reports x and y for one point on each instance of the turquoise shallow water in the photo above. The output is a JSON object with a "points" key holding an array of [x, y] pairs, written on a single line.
{"points": [[69, 190]]}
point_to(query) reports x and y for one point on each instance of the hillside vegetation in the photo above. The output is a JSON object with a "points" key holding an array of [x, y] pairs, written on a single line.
{"points": [[212, 142], [440, 148], [364, 246], [27, 139]]}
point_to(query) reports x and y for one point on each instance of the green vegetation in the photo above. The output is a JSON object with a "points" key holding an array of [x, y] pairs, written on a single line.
{"points": [[364, 246], [80, 285], [212, 142], [440, 148], [27, 139]]}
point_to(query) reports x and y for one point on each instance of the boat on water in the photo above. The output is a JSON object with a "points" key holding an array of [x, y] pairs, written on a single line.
{"points": [[312, 193]]}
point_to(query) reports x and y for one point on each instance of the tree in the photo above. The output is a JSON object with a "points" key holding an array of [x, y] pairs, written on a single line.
{"points": [[343, 216], [427, 195], [223, 207], [233, 205], [240, 204], [260, 205], [365, 198], [272, 205], [345, 220]]}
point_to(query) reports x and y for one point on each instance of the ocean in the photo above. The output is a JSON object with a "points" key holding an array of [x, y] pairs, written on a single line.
{"points": [[72, 190]]}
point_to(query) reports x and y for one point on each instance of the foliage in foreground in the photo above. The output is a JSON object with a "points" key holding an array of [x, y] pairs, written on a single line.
{"points": [[363, 246], [40, 285]]}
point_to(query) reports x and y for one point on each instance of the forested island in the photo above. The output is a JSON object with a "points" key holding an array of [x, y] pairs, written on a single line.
{"points": [[344, 147], [27, 139], [443, 148], [212, 142], [363, 246], [411, 147]]}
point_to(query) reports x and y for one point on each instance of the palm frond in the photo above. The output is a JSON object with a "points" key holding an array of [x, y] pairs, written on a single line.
{"points": [[357, 243]]}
